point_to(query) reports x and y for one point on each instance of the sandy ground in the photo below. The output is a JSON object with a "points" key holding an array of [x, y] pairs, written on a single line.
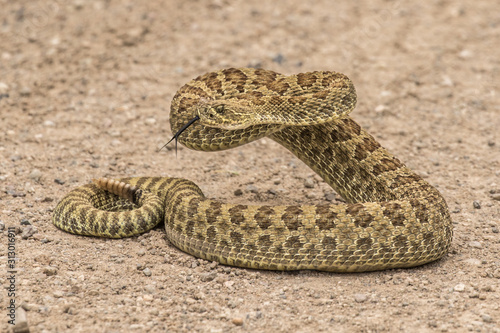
{"points": [[85, 91]]}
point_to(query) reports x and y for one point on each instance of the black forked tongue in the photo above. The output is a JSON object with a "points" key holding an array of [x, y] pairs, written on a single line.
{"points": [[176, 135]]}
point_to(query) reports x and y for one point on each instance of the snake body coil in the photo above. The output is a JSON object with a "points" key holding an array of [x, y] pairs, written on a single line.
{"points": [[392, 218]]}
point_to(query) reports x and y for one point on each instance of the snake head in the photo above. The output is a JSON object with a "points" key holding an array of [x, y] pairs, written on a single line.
{"points": [[225, 115]]}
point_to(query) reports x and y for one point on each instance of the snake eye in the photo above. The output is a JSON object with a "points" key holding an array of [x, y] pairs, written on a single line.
{"points": [[220, 109]]}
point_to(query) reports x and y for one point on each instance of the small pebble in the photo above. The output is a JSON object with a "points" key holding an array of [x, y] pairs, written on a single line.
{"points": [[2, 226], [474, 294], [35, 175], [150, 121], [360, 298], [459, 287], [150, 289], [238, 321], [21, 321], [279, 58], [487, 318], [310, 195], [59, 181], [50, 270], [487, 288], [476, 204], [25, 222], [238, 192], [69, 309], [272, 192], [48, 123], [30, 306], [15, 193], [473, 262], [115, 133], [3, 87], [28, 231], [137, 327], [147, 271], [25, 91], [496, 196], [207, 277], [252, 189], [309, 183], [475, 244], [330, 196], [465, 54]]}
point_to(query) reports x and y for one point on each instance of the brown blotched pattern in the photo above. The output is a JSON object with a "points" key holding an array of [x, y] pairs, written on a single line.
{"points": [[393, 218]]}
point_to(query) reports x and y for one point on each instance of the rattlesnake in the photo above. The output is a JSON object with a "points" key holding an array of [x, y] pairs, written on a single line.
{"points": [[392, 218]]}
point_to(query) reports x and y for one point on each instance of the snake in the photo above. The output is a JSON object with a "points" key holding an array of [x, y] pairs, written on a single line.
{"points": [[390, 217]]}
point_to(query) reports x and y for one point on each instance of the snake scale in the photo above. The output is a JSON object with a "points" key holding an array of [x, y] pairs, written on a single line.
{"points": [[392, 217]]}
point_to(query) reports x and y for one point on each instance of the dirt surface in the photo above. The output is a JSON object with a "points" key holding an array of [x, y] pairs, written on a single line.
{"points": [[85, 92]]}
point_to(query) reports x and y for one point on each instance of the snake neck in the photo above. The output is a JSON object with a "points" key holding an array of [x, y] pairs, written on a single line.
{"points": [[363, 170]]}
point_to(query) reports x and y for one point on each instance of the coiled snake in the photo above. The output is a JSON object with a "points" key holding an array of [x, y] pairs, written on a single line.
{"points": [[392, 218]]}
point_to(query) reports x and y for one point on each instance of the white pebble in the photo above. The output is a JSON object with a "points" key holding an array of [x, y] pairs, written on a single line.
{"points": [[55, 41], [475, 244], [487, 318], [3, 87], [459, 287], [36, 175], [447, 81], [150, 121], [473, 262], [360, 298], [464, 54]]}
